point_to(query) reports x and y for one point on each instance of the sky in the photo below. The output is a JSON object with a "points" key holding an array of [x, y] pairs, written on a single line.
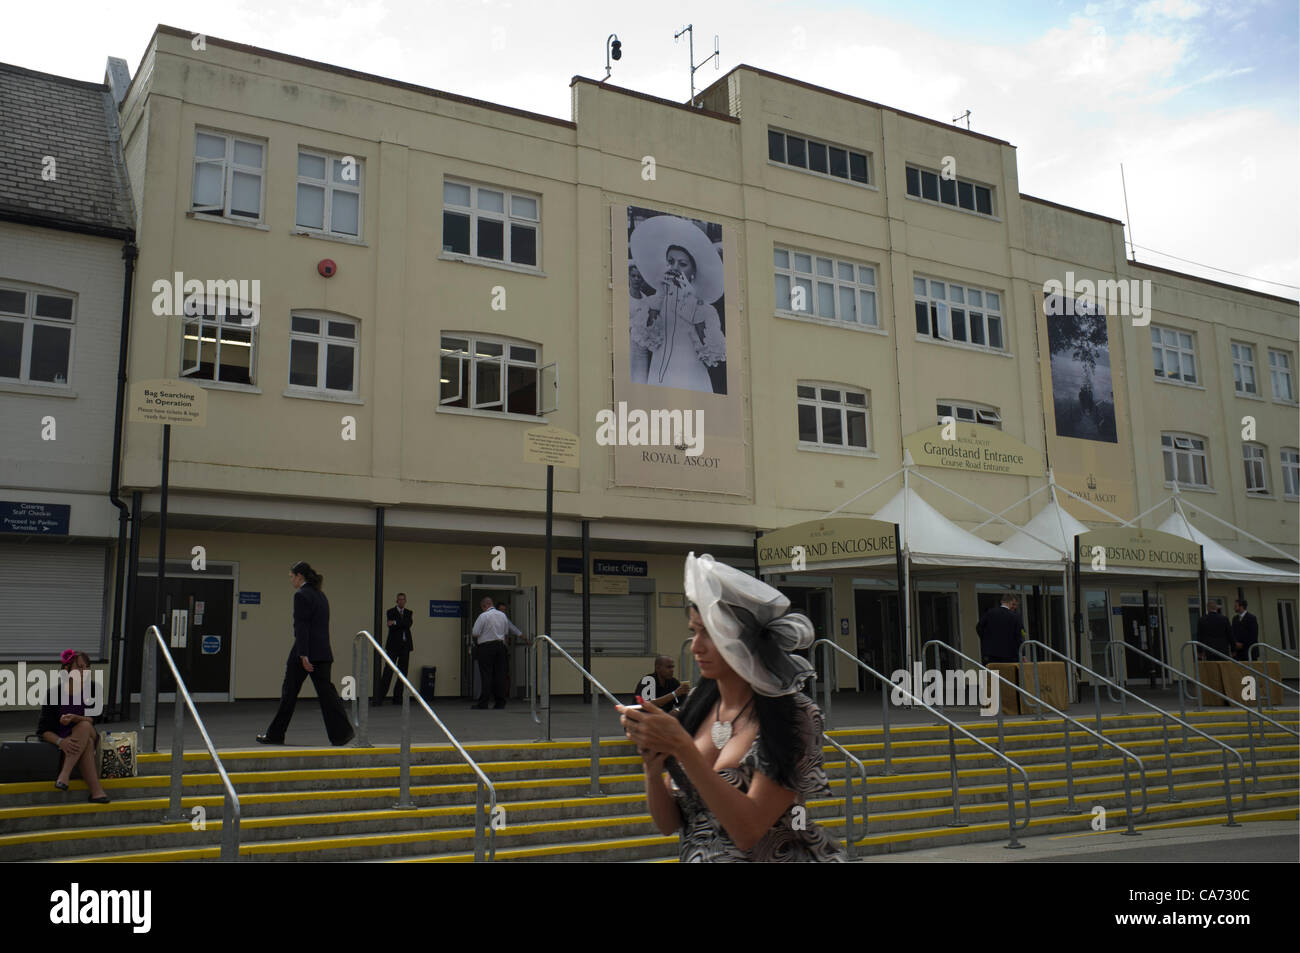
{"points": [[1198, 99]]}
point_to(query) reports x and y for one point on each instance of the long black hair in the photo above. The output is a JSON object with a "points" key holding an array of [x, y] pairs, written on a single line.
{"points": [[778, 738], [310, 576]]}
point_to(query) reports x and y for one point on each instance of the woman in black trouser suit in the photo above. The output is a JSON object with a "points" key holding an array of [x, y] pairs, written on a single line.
{"points": [[310, 655]]}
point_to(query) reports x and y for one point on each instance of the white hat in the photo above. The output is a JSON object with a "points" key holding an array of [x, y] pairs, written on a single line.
{"points": [[649, 246], [751, 624]]}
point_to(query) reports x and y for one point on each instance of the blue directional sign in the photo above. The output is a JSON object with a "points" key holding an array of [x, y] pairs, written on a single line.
{"points": [[444, 608], [36, 519], [211, 644]]}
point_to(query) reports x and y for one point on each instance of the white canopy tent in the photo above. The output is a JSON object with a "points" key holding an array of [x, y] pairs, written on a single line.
{"points": [[1221, 562]]}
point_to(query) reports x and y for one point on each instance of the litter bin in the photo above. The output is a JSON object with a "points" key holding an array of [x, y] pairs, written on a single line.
{"points": [[428, 676]]}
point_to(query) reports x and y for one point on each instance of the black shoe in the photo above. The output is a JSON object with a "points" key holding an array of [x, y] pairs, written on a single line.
{"points": [[62, 786], [268, 740], [351, 735], [499, 705], [479, 707], [102, 799]]}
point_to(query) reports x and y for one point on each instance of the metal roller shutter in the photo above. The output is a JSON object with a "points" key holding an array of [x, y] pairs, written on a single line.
{"points": [[619, 624], [51, 599]]}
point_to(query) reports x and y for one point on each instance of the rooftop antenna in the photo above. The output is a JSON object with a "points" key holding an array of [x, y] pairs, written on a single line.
{"points": [[1128, 221], [966, 116], [716, 56], [614, 51]]}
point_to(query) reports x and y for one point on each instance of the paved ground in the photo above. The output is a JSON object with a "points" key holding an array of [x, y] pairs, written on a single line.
{"points": [[1255, 842], [235, 724]]}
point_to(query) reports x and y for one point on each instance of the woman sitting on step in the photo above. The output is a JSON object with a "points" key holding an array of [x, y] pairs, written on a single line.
{"points": [[745, 751], [65, 724]]}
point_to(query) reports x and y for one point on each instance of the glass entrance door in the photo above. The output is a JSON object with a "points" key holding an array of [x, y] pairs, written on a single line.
{"points": [[199, 631], [879, 637]]}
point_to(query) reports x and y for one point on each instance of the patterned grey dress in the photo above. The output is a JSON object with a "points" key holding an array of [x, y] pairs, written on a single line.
{"points": [[704, 840]]}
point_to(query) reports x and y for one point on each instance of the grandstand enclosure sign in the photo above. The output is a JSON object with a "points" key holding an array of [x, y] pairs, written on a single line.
{"points": [[1129, 548], [826, 541], [169, 402], [976, 448]]}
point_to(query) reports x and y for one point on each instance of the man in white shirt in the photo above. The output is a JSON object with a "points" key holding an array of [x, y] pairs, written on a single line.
{"points": [[490, 630]]}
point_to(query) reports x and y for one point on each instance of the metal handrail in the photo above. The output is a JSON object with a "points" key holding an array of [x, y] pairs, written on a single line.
{"points": [[1169, 767], [890, 685], [1196, 671], [685, 654], [1259, 646], [484, 847], [850, 837], [1066, 720], [175, 811], [1183, 676], [544, 690]]}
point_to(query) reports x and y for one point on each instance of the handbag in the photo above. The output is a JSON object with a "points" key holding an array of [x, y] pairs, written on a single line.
{"points": [[28, 760], [117, 754]]}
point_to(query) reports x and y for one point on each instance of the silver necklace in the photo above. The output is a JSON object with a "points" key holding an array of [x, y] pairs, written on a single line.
{"points": [[720, 731]]}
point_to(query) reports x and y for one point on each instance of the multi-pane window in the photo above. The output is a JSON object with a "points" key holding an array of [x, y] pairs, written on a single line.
{"points": [[1279, 372], [1291, 472], [228, 175], [1255, 458], [973, 413], [495, 374], [35, 335], [814, 156], [492, 224], [329, 193], [1174, 354], [959, 193], [1243, 369], [323, 353], [825, 287], [832, 416], [952, 312], [1185, 459], [219, 342]]}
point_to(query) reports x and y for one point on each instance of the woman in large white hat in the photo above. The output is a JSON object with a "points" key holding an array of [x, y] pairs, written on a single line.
{"points": [[745, 751], [675, 331]]}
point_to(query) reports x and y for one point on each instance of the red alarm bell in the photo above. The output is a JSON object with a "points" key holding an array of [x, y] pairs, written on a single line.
{"points": [[327, 267]]}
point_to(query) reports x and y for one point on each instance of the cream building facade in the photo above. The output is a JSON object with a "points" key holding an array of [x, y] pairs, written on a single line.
{"points": [[434, 272]]}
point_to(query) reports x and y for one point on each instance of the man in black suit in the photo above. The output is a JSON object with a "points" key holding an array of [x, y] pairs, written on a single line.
{"points": [[1001, 631], [1215, 631], [398, 647], [1245, 631], [310, 655]]}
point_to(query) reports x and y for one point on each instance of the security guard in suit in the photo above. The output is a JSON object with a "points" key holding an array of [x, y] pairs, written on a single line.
{"points": [[1001, 631], [399, 647]]}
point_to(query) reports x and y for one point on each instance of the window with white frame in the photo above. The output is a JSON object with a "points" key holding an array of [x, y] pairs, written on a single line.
{"points": [[972, 413], [1279, 372], [219, 342], [1243, 369], [810, 155], [823, 287], [497, 375], [1255, 458], [1173, 353], [228, 175], [329, 193], [1291, 472], [36, 329], [959, 193], [833, 416], [952, 312], [1185, 459], [323, 352], [491, 224]]}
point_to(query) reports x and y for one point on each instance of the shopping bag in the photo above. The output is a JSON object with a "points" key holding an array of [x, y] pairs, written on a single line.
{"points": [[117, 754]]}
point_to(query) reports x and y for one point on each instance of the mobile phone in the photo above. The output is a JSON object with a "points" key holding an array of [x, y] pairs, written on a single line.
{"points": [[632, 708]]}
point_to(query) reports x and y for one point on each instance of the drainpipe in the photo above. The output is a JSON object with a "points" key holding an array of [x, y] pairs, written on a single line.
{"points": [[129, 254]]}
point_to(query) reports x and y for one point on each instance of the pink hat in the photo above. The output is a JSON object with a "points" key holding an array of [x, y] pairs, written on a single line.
{"points": [[67, 655]]}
